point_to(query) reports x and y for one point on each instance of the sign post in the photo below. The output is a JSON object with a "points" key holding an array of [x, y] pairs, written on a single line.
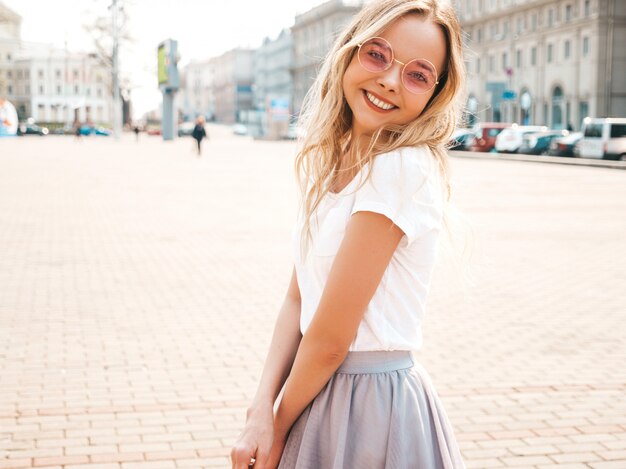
{"points": [[167, 73]]}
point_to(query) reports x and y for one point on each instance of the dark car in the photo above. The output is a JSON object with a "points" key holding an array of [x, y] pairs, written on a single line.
{"points": [[565, 146], [538, 143], [461, 140], [29, 128]]}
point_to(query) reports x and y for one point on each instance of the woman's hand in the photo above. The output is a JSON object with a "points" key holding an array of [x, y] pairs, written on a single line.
{"points": [[255, 441], [278, 446]]}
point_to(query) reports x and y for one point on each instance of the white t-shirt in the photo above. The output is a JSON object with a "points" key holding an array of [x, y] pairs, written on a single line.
{"points": [[405, 186]]}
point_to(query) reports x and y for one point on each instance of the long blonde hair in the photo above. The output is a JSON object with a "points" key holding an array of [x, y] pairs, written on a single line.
{"points": [[327, 119]]}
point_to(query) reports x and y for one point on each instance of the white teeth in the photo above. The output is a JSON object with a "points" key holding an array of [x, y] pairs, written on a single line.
{"points": [[377, 102]]}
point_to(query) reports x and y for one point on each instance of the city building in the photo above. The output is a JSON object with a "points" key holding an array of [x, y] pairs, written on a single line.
{"points": [[232, 85], [313, 35], [56, 86], [50, 85], [10, 24], [273, 87], [195, 97], [550, 62]]}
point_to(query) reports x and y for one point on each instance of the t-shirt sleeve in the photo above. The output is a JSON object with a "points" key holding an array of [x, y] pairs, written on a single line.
{"points": [[405, 186]]}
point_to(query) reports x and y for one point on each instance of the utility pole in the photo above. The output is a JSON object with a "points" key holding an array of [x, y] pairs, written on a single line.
{"points": [[117, 105]]}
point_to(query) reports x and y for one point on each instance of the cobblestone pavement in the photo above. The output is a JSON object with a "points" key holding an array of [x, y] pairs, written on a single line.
{"points": [[139, 284]]}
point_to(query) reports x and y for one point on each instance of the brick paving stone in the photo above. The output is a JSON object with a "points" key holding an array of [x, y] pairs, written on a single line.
{"points": [[139, 285]]}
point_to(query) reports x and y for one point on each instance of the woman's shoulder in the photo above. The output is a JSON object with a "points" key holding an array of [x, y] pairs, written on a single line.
{"points": [[406, 163]]}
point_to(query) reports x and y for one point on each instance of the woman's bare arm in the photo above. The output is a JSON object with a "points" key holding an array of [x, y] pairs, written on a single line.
{"points": [[359, 265], [283, 348]]}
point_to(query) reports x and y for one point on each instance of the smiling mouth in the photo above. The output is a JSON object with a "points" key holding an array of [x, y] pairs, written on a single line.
{"points": [[378, 103]]}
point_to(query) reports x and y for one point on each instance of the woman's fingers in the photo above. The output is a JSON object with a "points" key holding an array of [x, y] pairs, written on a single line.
{"points": [[242, 455], [261, 459]]}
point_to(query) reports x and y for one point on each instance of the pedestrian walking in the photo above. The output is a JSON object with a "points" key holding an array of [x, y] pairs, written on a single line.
{"points": [[199, 133], [77, 130], [136, 129], [374, 180]]}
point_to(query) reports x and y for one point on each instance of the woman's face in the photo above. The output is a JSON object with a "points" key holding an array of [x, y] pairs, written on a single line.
{"points": [[411, 37]]}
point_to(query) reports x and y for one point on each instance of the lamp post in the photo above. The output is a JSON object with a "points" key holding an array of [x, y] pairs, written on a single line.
{"points": [[117, 105]]}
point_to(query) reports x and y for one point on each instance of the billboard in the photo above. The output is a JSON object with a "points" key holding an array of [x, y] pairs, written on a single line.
{"points": [[167, 69], [162, 64]]}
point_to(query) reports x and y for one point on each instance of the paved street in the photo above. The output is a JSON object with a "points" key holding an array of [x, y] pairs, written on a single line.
{"points": [[139, 285]]}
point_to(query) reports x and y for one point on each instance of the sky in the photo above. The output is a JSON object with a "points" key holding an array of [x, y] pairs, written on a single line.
{"points": [[203, 28]]}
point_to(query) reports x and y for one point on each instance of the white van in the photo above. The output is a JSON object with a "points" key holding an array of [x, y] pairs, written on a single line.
{"points": [[603, 138], [510, 140]]}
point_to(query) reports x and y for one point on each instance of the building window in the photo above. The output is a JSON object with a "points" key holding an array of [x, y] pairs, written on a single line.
{"points": [[587, 7], [58, 89], [40, 89], [75, 74], [19, 74], [568, 12], [533, 21], [505, 60], [75, 89], [533, 56], [57, 73], [491, 63], [40, 73], [550, 52], [26, 74], [479, 35], [550, 17], [567, 49], [518, 58], [10, 89], [99, 93], [585, 46], [478, 65], [9, 74], [9, 57], [518, 27], [27, 89]]}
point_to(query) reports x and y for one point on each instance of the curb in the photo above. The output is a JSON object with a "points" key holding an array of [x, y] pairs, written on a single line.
{"points": [[540, 159]]}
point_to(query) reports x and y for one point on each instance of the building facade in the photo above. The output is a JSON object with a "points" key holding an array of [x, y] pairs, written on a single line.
{"points": [[273, 86], [548, 62], [61, 87], [196, 96], [48, 84], [313, 35], [10, 24], [232, 85]]}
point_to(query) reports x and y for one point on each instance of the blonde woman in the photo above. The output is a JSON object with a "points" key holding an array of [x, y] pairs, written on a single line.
{"points": [[374, 181]]}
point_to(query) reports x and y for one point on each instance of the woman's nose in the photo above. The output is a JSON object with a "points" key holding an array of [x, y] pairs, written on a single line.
{"points": [[391, 78]]}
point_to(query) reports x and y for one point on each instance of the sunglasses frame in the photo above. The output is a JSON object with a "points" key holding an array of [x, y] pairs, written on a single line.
{"points": [[393, 59]]}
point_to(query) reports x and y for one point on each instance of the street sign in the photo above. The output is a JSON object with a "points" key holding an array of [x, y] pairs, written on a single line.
{"points": [[509, 95]]}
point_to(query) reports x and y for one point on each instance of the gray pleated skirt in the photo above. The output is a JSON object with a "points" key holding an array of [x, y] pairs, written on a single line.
{"points": [[379, 410]]}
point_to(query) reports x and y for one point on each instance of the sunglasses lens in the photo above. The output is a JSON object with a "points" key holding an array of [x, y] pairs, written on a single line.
{"points": [[375, 55], [419, 76]]}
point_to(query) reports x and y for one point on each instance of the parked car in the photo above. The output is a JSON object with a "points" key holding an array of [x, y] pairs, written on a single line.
{"points": [[485, 134], [461, 139], [185, 129], [510, 140], [240, 129], [565, 146], [94, 130], [30, 128], [152, 130], [604, 138], [538, 143]]}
